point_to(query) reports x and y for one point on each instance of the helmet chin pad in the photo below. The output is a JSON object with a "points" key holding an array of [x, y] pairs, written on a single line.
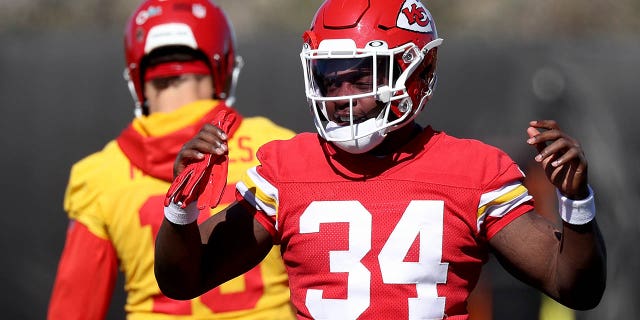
{"points": [[346, 137]]}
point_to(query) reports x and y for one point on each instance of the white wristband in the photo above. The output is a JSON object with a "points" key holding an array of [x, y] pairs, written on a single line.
{"points": [[181, 216], [576, 212]]}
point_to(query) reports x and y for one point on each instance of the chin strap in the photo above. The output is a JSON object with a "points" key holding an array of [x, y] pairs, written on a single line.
{"points": [[234, 81], [137, 111]]}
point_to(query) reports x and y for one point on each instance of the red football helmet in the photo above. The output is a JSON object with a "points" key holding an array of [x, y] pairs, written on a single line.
{"points": [[396, 39], [197, 24]]}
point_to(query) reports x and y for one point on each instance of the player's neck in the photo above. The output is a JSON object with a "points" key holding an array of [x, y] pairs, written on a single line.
{"points": [[397, 139]]}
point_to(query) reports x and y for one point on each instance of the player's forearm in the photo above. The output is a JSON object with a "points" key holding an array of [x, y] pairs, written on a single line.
{"points": [[568, 263], [581, 269], [178, 258], [581, 273], [571, 266]]}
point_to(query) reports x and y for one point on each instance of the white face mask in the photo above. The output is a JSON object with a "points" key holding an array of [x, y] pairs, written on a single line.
{"points": [[341, 136]]}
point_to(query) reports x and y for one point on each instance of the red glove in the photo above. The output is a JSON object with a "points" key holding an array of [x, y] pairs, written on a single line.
{"points": [[206, 179]]}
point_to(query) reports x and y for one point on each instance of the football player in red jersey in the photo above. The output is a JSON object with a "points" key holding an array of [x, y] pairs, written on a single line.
{"points": [[181, 67], [377, 216]]}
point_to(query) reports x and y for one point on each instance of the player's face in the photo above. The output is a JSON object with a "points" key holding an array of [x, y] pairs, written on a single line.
{"points": [[354, 80]]}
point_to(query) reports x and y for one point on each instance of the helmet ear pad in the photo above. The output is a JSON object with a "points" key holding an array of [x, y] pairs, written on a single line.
{"points": [[427, 74], [420, 84]]}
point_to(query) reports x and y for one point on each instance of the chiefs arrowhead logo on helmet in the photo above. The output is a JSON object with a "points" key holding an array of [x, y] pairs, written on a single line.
{"points": [[415, 17]]}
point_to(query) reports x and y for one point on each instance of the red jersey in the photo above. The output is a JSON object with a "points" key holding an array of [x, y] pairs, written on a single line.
{"points": [[396, 237]]}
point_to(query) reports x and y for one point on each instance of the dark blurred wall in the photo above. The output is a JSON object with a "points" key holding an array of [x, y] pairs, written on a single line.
{"points": [[63, 97]]}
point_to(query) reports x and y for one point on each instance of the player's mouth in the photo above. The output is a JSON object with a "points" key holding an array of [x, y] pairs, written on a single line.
{"points": [[345, 119]]}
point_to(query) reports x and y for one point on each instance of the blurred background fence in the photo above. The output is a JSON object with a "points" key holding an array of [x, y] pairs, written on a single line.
{"points": [[502, 63]]}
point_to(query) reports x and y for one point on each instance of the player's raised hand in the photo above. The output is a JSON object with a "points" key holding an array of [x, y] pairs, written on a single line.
{"points": [[201, 165], [561, 157], [209, 140]]}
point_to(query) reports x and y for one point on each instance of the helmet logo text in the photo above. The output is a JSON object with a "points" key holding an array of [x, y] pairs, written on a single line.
{"points": [[415, 17]]}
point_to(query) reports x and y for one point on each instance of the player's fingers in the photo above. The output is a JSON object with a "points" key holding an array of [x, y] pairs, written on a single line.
{"points": [[547, 136], [542, 132], [545, 124], [571, 155], [191, 155], [562, 151], [214, 146], [554, 149], [570, 178], [212, 136], [210, 132], [533, 133]]}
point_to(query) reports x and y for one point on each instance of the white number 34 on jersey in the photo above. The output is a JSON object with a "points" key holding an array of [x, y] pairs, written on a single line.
{"points": [[422, 218]]}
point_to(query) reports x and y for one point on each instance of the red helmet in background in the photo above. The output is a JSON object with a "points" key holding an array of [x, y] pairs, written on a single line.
{"points": [[397, 39], [197, 24]]}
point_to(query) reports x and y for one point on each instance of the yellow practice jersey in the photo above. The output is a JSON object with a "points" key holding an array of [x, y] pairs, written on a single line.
{"points": [[121, 205]]}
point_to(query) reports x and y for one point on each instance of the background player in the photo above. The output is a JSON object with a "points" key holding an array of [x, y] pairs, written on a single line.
{"points": [[379, 217], [181, 68]]}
